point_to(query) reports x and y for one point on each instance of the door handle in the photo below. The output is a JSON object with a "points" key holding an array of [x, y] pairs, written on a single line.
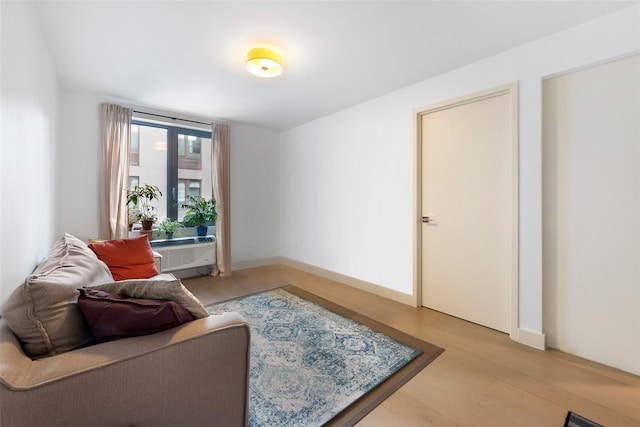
{"points": [[428, 220]]}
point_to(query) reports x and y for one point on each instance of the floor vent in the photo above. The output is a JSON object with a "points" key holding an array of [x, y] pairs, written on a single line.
{"points": [[575, 420]]}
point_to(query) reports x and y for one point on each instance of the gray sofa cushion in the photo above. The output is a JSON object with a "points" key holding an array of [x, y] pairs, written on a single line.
{"points": [[43, 312], [163, 287]]}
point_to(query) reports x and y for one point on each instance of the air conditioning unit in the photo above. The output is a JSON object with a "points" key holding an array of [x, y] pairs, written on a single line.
{"points": [[180, 257]]}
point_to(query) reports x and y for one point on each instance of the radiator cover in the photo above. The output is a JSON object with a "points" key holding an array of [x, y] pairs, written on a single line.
{"points": [[180, 257]]}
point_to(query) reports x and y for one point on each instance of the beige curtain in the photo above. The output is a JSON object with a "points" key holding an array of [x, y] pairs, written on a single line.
{"points": [[115, 135], [220, 178]]}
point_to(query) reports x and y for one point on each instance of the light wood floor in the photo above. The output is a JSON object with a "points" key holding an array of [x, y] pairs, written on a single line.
{"points": [[482, 378]]}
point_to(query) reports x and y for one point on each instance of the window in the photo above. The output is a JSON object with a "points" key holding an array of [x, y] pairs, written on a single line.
{"points": [[189, 148], [177, 160], [134, 151], [133, 181]]}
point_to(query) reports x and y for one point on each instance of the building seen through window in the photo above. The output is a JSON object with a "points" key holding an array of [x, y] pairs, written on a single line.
{"points": [[188, 187], [134, 150], [189, 156]]}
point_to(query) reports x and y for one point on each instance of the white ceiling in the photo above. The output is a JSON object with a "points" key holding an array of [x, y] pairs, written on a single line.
{"points": [[188, 56]]}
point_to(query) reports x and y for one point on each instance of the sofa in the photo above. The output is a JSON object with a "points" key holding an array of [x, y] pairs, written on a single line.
{"points": [[194, 374]]}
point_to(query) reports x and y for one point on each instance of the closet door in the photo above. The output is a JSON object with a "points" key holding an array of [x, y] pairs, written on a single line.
{"points": [[591, 225]]}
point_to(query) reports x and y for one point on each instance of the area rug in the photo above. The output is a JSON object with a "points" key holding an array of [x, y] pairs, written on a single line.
{"points": [[312, 364]]}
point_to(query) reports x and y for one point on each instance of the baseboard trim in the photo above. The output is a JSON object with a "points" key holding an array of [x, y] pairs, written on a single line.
{"points": [[351, 281], [532, 339], [522, 336], [261, 262]]}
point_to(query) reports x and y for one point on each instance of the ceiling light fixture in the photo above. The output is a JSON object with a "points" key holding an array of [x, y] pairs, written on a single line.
{"points": [[264, 62]]}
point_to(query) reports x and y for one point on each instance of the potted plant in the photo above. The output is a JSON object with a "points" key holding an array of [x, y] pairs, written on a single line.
{"points": [[168, 226], [138, 198], [200, 211]]}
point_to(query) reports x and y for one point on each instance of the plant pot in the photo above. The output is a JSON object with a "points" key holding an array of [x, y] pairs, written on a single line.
{"points": [[202, 230], [148, 233], [147, 225], [169, 235]]}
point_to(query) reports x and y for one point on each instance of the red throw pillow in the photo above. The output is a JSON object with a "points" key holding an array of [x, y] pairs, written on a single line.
{"points": [[111, 316], [127, 258]]}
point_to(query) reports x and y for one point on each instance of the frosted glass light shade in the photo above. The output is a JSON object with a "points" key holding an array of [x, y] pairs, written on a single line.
{"points": [[264, 62]]}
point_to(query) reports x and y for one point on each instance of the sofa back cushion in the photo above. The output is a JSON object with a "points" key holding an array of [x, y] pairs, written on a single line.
{"points": [[127, 258], [43, 311]]}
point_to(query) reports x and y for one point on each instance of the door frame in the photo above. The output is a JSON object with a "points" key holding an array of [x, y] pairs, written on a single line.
{"points": [[510, 89]]}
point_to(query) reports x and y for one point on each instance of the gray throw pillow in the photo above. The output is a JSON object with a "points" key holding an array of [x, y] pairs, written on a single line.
{"points": [[162, 287], [43, 312]]}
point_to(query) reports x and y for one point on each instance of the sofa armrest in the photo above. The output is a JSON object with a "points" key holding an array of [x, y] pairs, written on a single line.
{"points": [[189, 375]]}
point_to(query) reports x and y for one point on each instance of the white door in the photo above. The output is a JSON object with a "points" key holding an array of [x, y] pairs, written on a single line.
{"points": [[468, 195], [591, 213]]}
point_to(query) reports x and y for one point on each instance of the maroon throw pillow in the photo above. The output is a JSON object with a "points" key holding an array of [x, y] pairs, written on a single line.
{"points": [[111, 316], [127, 258]]}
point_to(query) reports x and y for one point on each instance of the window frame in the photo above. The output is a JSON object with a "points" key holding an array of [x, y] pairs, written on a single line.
{"points": [[173, 162]]}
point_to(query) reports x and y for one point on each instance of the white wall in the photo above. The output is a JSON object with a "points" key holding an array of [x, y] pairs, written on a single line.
{"points": [[78, 165], [29, 88], [347, 179], [254, 179], [346, 192]]}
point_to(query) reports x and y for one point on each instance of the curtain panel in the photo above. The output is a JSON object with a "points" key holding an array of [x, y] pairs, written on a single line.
{"points": [[115, 135], [220, 179]]}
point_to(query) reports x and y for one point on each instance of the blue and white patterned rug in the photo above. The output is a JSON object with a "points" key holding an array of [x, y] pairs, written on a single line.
{"points": [[307, 362]]}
